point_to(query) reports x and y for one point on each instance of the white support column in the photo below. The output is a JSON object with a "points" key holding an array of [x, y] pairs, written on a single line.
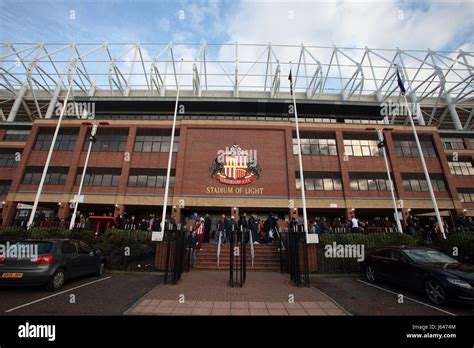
{"points": [[54, 100], [416, 109], [17, 102], [452, 112]]}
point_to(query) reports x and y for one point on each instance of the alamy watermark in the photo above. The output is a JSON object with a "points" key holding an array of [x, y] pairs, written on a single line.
{"points": [[346, 251], [37, 331], [84, 110], [235, 150], [388, 109], [19, 251]]}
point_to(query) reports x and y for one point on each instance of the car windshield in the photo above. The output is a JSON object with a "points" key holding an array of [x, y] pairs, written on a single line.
{"points": [[429, 256], [42, 247]]}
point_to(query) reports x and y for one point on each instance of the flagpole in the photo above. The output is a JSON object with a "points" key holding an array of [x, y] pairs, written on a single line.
{"points": [[392, 189], [170, 154], [50, 154], [425, 169], [422, 157], [300, 159]]}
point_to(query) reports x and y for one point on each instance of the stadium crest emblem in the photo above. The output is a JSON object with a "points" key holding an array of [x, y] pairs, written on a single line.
{"points": [[234, 166]]}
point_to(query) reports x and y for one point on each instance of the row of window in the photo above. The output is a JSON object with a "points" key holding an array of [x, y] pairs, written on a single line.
{"points": [[109, 140], [466, 197], [331, 181], [461, 168], [16, 135], [370, 184], [316, 147], [453, 143], [408, 148], [34, 178], [361, 147], [9, 159], [4, 186], [421, 185], [99, 177], [320, 184]]}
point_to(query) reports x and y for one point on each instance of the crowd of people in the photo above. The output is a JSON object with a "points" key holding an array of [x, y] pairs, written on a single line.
{"points": [[264, 230], [255, 229]]}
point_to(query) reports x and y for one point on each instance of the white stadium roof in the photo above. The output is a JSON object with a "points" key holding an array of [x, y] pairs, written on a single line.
{"points": [[34, 76]]}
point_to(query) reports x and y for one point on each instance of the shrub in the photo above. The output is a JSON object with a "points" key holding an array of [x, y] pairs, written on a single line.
{"points": [[370, 241]]}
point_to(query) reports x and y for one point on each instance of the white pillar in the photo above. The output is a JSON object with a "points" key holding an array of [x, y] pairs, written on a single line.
{"points": [[17, 103], [453, 112]]}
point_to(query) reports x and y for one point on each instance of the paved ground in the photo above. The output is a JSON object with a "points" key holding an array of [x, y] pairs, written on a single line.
{"points": [[208, 293], [361, 298], [111, 294]]}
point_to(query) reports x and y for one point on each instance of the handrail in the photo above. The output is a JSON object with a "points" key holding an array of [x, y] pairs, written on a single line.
{"points": [[252, 252], [219, 247]]}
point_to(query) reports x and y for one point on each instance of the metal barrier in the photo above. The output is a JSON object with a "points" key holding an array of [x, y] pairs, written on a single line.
{"points": [[238, 258], [176, 260], [294, 257]]}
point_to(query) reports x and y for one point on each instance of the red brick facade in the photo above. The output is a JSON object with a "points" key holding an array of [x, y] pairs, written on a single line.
{"points": [[198, 146]]}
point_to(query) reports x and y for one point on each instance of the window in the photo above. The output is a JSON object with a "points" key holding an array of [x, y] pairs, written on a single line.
{"points": [[356, 147], [320, 181], [417, 183], [405, 146], [453, 143], [466, 194], [316, 144], [84, 248], [106, 177], [461, 168], [4, 186], [55, 176], [363, 121], [69, 248], [369, 182], [155, 140], [108, 140], [150, 178], [16, 135], [65, 141], [9, 159]]}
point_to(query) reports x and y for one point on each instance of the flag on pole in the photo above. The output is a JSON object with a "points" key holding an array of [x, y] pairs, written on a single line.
{"points": [[291, 83], [400, 83]]}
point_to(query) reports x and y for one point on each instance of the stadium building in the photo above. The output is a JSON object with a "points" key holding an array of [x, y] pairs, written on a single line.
{"points": [[235, 146]]}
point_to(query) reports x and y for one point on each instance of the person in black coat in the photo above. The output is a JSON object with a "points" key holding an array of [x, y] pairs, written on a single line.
{"points": [[207, 228], [253, 225], [192, 245], [293, 226]]}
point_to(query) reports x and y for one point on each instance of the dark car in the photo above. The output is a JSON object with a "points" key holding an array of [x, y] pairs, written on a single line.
{"points": [[439, 276], [54, 261]]}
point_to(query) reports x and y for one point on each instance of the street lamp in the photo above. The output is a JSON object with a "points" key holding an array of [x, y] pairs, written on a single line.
{"points": [[382, 145], [77, 198]]}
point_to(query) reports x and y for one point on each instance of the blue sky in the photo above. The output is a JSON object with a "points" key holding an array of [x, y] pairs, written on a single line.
{"points": [[438, 25], [407, 24], [111, 21]]}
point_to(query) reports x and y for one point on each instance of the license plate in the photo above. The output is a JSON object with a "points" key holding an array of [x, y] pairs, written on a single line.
{"points": [[12, 275]]}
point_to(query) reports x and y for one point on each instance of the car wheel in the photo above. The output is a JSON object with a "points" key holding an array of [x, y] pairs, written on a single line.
{"points": [[57, 280], [100, 271], [370, 274], [435, 292]]}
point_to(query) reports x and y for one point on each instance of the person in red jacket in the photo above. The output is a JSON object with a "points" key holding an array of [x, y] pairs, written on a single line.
{"points": [[199, 228]]}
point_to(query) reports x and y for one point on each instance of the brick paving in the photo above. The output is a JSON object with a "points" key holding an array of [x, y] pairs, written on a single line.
{"points": [[208, 293]]}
